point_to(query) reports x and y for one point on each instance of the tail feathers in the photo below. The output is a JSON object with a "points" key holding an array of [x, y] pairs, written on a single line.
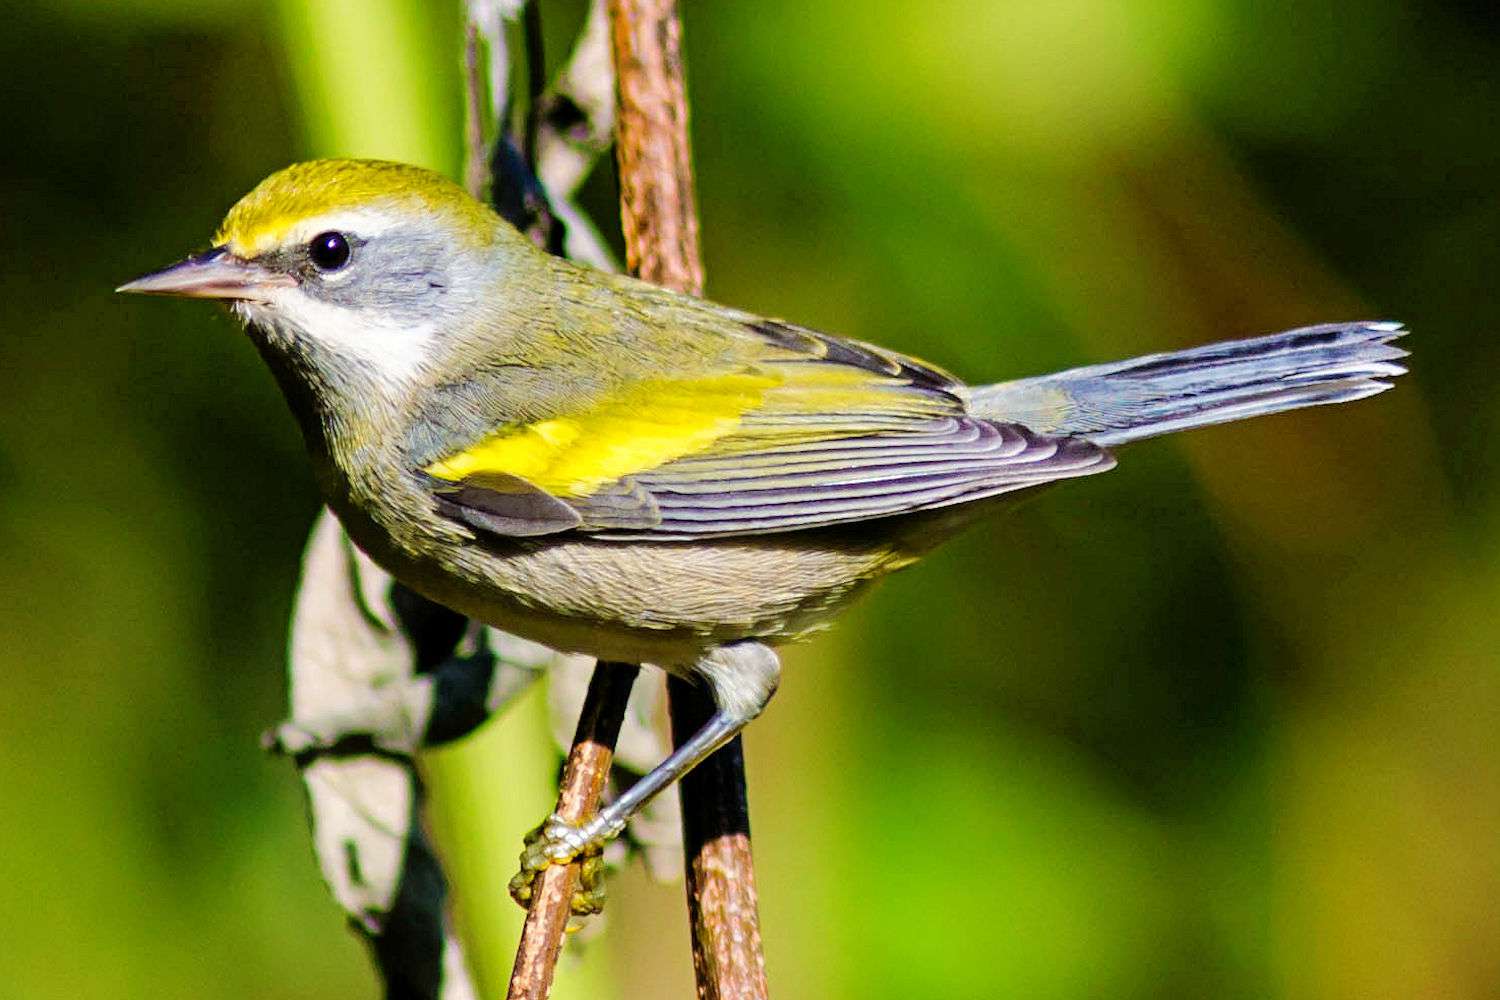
{"points": [[1115, 403]]}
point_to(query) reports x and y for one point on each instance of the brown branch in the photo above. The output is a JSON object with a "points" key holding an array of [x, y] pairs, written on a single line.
{"points": [[657, 210], [660, 221], [583, 782]]}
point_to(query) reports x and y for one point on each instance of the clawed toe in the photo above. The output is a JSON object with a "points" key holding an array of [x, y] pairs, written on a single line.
{"points": [[558, 842]]}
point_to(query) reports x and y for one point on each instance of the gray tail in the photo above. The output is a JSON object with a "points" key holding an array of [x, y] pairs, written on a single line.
{"points": [[1160, 393]]}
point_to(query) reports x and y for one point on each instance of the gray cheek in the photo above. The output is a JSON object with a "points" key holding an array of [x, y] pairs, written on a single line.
{"points": [[406, 279]]}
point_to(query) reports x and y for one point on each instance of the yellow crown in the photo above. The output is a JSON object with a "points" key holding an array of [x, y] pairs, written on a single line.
{"points": [[262, 219]]}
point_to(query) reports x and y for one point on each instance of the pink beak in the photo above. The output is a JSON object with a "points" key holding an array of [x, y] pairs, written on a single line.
{"points": [[214, 274]]}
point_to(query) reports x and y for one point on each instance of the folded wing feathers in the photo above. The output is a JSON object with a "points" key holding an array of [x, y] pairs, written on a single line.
{"points": [[824, 456], [854, 479]]}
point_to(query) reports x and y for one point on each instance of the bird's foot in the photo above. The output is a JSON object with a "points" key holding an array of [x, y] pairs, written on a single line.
{"points": [[558, 842]]}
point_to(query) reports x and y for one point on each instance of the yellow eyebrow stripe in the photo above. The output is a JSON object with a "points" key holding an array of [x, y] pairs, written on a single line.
{"points": [[647, 425]]}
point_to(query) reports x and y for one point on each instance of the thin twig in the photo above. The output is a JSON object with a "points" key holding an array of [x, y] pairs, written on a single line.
{"points": [[657, 208], [660, 221], [476, 167], [583, 782]]}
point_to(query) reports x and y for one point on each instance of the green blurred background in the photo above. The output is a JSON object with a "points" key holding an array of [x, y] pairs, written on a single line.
{"points": [[1222, 723]]}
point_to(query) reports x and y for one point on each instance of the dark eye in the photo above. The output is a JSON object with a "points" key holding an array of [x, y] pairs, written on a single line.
{"points": [[328, 251]]}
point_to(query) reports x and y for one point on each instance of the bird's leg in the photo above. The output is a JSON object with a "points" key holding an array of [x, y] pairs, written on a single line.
{"points": [[742, 677]]}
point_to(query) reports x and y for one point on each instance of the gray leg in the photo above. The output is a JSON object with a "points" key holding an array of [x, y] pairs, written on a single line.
{"points": [[742, 678]]}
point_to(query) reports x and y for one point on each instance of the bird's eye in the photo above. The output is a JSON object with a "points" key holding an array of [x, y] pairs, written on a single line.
{"points": [[328, 251]]}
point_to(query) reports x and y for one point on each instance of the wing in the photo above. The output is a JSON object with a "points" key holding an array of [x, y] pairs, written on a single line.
{"points": [[814, 431]]}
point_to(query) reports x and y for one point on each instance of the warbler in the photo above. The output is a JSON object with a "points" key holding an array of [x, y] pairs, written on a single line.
{"points": [[611, 468]]}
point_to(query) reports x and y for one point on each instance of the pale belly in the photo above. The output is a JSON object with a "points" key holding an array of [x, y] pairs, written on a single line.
{"points": [[664, 603]]}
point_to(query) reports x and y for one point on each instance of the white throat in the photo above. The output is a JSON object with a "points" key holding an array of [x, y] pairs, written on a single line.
{"points": [[392, 352]]}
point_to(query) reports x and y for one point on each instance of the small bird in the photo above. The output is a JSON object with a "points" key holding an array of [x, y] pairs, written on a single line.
{"points": [[610, 468]]}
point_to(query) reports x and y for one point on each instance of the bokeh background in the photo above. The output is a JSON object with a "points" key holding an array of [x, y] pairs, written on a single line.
{"points": [[1222, 723]]}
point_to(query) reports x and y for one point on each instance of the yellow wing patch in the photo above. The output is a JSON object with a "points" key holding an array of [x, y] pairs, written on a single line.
{"points": [[643, 427]]}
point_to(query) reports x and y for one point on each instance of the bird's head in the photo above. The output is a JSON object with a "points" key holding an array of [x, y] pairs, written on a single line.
{"points": [[351, 262]]}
